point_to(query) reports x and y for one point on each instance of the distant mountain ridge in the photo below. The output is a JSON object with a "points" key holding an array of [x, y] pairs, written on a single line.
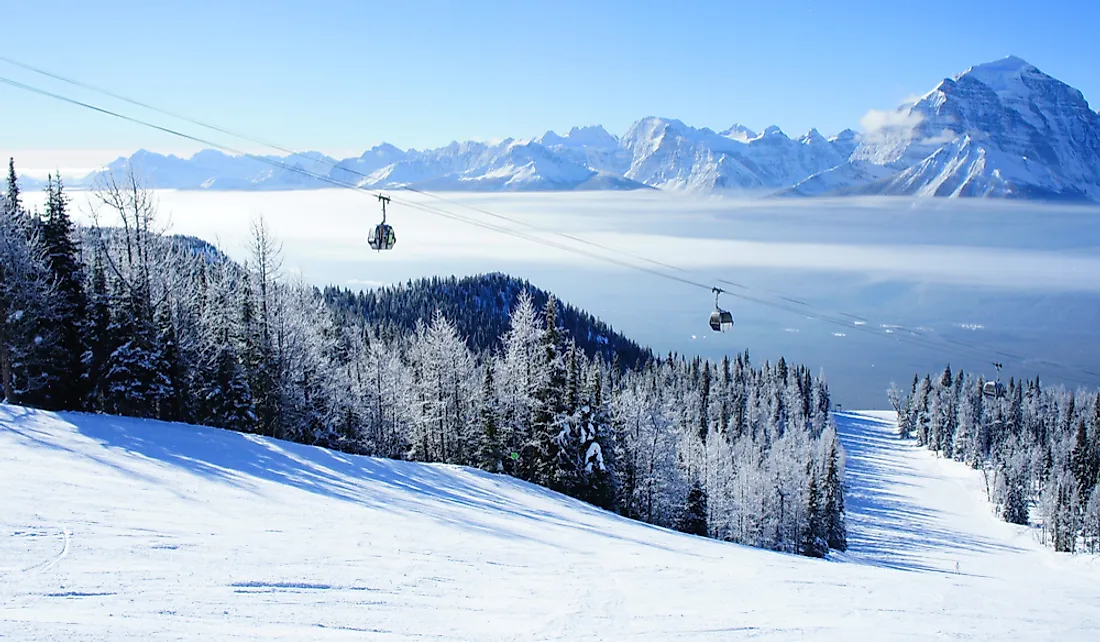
{"points": [[1002, 129]]}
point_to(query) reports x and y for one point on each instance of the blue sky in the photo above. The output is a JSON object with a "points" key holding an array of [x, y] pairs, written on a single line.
{"points": [[342, 75]]}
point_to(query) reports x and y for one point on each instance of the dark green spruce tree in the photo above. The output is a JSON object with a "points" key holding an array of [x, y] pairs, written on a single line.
{"points": [[171, 361], [225, 395], [97, 338], [136, 378], [65, 388], [836, 529], [1081, 462], [813, 542], [259, 363], [693, 519], [490, 452]]}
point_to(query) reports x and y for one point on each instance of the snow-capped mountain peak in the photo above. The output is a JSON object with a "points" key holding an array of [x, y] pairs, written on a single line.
{"points": [[1002, 75], [1012, 130], [592, 136], [999, 129], [813, 137], [739, 132], [773, 130]]}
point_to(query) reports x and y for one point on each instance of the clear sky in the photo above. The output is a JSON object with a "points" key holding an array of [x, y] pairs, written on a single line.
{"points": [[342, 75]]}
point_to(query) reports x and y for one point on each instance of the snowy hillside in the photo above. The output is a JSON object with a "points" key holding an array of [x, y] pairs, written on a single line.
{"points": [[121, 528], [1001, 129]]}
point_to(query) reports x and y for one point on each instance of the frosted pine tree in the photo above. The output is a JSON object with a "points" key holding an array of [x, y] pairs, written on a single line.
{"points": [[518, 377], [135, 372], [597, 467], [26, 290], [444, 390], [550, 425]]}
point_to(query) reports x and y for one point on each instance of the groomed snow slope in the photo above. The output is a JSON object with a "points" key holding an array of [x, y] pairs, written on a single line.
{"points": [[128, 529]]}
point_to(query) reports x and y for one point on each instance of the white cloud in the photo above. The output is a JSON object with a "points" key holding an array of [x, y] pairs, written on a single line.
{"points": [[367, 283], [877, 120], [945, 136]]}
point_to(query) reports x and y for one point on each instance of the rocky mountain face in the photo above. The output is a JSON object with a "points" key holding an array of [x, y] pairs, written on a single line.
{"points": [[1001, 129]]}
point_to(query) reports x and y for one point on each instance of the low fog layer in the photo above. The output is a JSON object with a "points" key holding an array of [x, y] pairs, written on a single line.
{"points": [[1009, 281]]}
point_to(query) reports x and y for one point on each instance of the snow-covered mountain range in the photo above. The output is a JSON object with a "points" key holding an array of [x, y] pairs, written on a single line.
{"points": [[1001, 129]]}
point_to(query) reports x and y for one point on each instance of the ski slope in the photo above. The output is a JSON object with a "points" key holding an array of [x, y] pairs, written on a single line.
{"points": [[114, 528]]}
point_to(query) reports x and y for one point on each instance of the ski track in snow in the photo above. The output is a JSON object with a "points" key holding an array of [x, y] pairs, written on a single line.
{"points": [[195, 533]]}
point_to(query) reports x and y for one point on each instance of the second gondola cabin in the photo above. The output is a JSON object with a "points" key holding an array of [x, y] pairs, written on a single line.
{"points": [[720, 320], [381, 236]]}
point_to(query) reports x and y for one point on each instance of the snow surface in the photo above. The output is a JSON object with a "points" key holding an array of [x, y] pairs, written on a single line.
{"points": [[119, 528]]}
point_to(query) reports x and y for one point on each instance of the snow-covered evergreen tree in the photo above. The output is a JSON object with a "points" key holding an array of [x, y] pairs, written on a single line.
{"points": [[549, 422], [26, 294], [596, 474], [444, 389], [519, 375]]}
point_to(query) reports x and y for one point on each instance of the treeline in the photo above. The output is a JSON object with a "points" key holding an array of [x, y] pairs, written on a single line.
{"points": [[119, 318], [1038, 447]]}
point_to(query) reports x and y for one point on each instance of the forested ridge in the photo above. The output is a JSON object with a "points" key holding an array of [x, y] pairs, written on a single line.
{"points": [[480, 307], [1038, 448], [483, 371]]}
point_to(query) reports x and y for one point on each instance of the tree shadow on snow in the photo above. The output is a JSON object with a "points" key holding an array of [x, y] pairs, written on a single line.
{"points": [[885, 526], [435, 490]]}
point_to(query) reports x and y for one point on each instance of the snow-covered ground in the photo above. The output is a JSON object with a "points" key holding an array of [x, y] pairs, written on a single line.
{"points": [[129, 529]]}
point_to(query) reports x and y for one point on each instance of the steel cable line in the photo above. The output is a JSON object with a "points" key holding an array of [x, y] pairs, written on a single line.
{"points": [[336, 165], [332, 163], [915, 338], [482, 224], [344, 184], [143, 105]]}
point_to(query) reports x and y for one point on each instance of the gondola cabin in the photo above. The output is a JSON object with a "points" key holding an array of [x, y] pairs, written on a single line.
{"points": [[993, 389], [381, 237], [720, 320]]}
